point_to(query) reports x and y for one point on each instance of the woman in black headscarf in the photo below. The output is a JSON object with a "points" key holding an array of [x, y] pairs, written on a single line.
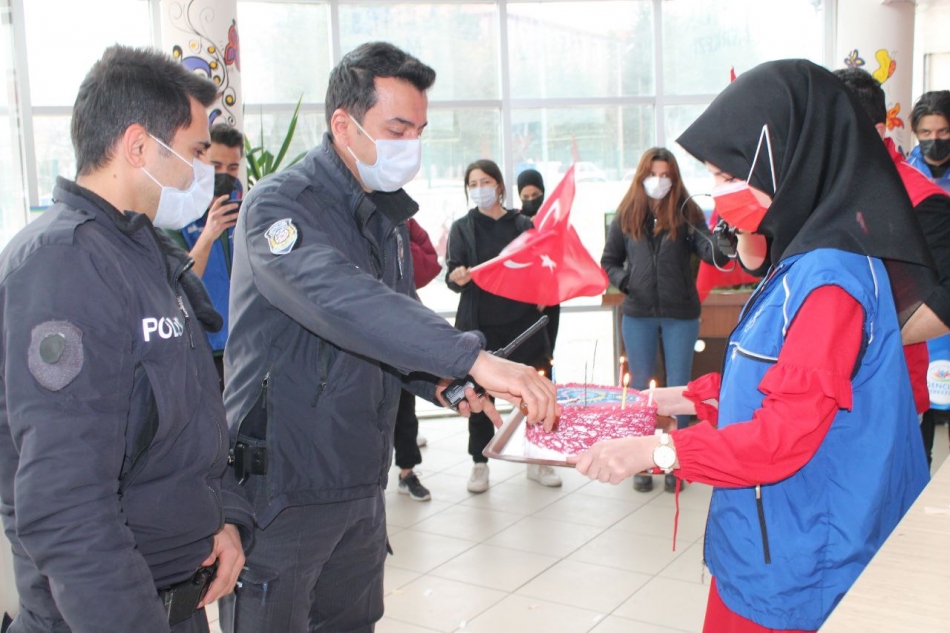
{"points": [[810, 434]]}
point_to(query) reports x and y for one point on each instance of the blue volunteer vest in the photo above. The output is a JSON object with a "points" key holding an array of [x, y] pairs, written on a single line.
{"points": [[821, 526], [217, 277]]}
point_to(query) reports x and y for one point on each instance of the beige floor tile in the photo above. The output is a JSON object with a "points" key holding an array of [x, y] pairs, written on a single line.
{"points": [[545, 536], [623, 491], [387, 625], [498, 470], [418, 551], [508, 497], [517, 614], [438, 429], [440, 604], [613, 624], [587, 510], [693, 497], [448, 488], [467, 522], [657, 520], [395, 578], [403, 512], [494, 567], [436, 460], [586, 586], [666, 602], [633, 552], [570, 480], [688, 567]]}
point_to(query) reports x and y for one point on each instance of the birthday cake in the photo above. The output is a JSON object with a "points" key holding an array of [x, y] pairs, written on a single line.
{"points": [[591, 413]]}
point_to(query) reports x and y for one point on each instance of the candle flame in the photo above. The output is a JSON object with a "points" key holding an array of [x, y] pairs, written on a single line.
{"points": [[652, 385], [541, 373]]}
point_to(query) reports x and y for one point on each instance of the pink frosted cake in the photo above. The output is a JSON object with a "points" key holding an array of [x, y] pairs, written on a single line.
{"points": [[590, 413]]}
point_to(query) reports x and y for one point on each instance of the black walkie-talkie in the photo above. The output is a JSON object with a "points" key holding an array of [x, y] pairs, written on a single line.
{"points": [[455, 392]]}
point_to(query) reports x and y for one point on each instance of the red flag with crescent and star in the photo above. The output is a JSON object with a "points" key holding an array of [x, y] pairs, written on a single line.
{"points": [[548, 264]]}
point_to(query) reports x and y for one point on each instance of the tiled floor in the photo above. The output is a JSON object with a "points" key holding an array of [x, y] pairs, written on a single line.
{"points": [[521, 558]]}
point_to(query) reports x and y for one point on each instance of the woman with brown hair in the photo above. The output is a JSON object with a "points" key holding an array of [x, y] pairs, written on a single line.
{"points": [[647, 257]]}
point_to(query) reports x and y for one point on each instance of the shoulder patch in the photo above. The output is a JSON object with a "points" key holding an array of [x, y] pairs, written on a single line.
{"points": [[281, 236], [55, 356]]}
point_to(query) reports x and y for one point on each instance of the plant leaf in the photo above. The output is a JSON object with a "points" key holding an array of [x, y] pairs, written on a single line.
{"points": [[289, 136]]}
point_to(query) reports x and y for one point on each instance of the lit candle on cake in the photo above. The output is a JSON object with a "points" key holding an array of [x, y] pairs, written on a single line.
{"points": [[652, 387], [620, 373], [623, 398]]}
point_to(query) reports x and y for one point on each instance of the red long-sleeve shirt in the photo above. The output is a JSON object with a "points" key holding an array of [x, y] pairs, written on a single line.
{"points": [[804, 391]]}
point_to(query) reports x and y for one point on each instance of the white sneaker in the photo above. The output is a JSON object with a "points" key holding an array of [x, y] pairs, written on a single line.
{"points": [[421, 441], [544, 475], [478, 482]]}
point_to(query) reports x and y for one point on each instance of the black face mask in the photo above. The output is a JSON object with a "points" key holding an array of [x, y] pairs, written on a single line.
{"points": [[224, 185], [530, 207], [936, 149]]}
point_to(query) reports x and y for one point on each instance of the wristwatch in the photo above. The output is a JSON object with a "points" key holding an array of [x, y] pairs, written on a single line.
{"points": [[664, 455]]}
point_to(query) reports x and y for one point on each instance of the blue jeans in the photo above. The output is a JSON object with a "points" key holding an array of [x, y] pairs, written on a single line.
{"points": [[640, 336]]}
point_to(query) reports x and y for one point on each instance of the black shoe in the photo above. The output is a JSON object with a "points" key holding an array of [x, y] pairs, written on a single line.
{"points": [[642, 483], [669, 483], [410, 485]]}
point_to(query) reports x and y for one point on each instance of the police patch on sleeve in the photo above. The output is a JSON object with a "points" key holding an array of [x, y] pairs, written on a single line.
{"points": [[55, 356], [281, 236]]}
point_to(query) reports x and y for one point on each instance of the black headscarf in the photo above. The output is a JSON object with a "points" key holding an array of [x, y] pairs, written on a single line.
{"points": [[836, 185], [530, 177]]}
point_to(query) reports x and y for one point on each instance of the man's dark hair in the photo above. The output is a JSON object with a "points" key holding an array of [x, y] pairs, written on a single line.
{"points": [[352, 86], [128, 86], [867, 90], [935, 102], [227, 135]]}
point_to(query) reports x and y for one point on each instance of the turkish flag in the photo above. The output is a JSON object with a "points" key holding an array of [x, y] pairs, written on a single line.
{"points": [[548, 264], [710, 277]]}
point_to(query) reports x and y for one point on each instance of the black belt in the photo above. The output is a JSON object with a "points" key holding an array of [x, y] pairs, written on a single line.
{"points": [[181, 600]]}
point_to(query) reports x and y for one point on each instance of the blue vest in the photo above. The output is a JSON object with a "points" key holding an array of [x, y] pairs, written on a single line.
{"points": [[217, 276], [821, 526], [917, 161]]}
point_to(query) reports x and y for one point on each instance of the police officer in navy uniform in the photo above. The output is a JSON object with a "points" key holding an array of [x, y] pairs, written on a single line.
{"points": [[114, 483], [324, 336]]}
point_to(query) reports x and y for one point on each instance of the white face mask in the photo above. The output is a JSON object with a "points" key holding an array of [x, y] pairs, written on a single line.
{"points": [[397, 162], [483, 197], [657, 186], [176, 208]]}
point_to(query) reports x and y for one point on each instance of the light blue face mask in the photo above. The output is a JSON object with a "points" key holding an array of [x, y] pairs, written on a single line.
{"points": [[484, 197], [178, 208]]}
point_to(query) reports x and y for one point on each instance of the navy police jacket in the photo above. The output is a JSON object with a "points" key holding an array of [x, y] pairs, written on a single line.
{"points": [[113, 443], [324, 331]]}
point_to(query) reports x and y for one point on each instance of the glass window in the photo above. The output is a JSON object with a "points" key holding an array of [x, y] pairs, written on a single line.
{"points": [[285, 51], [12, 195], [452, 140], [460, 41], [703, 40], [272, 127], [580, 49], [695, 175], [54, 153], [64, 38]]}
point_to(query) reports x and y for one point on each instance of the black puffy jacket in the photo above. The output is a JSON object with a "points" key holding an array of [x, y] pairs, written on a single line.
{"points": [[654, 272]]}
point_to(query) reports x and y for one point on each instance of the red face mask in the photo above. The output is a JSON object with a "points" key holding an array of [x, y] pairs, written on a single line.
{"points": [[735, 203]]}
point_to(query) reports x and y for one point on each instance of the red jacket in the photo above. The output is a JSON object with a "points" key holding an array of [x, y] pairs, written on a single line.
{"points": [[919, 188], [425, 261]]}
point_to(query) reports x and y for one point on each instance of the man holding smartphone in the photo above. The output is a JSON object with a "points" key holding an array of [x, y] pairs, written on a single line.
{"points": [[209, 239]]}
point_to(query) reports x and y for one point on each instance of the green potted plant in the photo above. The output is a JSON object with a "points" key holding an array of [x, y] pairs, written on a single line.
{"points": [[262, 162]]}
